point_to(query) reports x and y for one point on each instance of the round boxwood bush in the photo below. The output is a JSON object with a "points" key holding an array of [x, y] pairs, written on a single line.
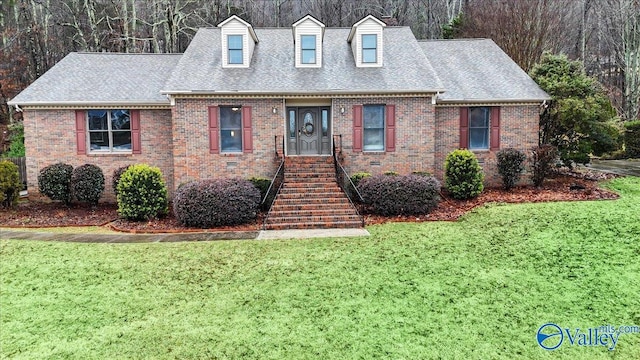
{"points": [[54, 182], [357, 177], [400, 195], [115, 178], [142, 193], [510, 166], [262, 184], [10, 184], [216, 202], [462, 174], [87, 183]]}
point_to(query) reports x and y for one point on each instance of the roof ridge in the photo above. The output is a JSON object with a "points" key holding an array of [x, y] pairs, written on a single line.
{"points": [[118, 53], [451, 40]]}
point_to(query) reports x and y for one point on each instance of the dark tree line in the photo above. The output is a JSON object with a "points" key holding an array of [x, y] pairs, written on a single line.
{"points": [[603, 34]]}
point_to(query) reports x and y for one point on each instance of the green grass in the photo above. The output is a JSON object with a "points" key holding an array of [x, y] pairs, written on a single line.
{"points": [[66, 230], [478, 288]]}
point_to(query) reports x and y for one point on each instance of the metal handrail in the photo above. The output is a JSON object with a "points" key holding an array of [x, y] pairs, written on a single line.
{"points": [[342, 177], [277, 180]]}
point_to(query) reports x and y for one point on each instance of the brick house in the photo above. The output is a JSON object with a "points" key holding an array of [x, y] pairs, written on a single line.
{"points": [[238, 96]]}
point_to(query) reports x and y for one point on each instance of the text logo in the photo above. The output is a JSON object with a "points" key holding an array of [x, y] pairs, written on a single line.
{"points": [[550, 336]]}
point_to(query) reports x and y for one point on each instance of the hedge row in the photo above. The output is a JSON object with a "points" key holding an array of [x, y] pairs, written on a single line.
{"points": [[400, 195]]}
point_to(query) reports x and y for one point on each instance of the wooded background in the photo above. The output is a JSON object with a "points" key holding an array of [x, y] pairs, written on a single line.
{"points": [[603, 34]]}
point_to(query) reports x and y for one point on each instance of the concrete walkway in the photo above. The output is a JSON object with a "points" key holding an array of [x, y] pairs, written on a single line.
{"points": [[620, 167], [195, 236]]}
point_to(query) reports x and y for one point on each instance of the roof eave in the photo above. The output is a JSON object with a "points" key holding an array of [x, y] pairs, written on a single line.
{"points": [[87, 103], [483, 101], [308, 92]]}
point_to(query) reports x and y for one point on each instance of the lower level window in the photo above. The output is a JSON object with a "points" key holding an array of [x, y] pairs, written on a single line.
{"points": [[479, 128], [109, 130], [231, 129], [373, 118]]}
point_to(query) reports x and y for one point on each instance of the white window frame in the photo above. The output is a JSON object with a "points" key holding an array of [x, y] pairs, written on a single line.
{"points": [[375, 49], [486, 128], [236, 109], [384, 128], [109, 132], [229, 49]]}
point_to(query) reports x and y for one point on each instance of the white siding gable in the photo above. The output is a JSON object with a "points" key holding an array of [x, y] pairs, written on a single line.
{"points": [[236, 26], [308, 25], [367, 26]]}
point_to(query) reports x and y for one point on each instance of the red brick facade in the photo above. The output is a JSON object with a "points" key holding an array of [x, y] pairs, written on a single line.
{"points": [[518, 129], [50, 137], [177, 140]]}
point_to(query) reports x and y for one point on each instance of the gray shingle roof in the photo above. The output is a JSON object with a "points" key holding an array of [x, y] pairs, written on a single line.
{"points": [[478, 70], [474, 70], [272, 69], [102, 78]]}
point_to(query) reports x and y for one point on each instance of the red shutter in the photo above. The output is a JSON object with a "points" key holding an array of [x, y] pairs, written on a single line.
{"points": [[494, 136], [136, 143], [357, 128], [391, 128], [247, 144], [214, 144], [81, 131], [464, 127]]}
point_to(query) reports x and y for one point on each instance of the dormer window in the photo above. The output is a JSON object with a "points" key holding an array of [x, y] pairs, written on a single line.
{"points": [[235, 49], [369, 48], [308, 43], [238, 42], [366, 39], [307, 37]]}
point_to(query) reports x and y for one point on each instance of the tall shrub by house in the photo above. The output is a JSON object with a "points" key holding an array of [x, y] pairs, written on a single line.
{"points": [[87, 183], [10, 184], [54, 181], [216, 202], [543, 158], [510, 166], [463, 175], [632, 139], [142, 193]]}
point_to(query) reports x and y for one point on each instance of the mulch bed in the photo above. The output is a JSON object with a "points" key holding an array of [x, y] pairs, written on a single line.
{"points": [[567, 186]]}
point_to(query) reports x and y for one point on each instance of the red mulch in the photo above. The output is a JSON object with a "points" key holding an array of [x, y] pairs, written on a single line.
{"points": [[565, 187]]}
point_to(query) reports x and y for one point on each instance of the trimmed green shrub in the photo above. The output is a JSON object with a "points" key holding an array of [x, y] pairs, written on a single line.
{"points": [[632, 139], [421, 173], [142, 193], [391, 173], [115, 178], [542, 160], [216, 202], [510, 166], [10, 184], [463, 175], [54, 182], [400, 195], [357, 177], [87, 183], [262, 184]]}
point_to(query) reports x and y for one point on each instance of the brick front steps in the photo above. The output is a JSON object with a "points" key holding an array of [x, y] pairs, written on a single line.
{"points": [[310, 197]]}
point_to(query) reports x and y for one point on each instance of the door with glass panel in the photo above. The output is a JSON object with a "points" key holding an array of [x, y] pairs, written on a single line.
{"points": [[308, 131]]}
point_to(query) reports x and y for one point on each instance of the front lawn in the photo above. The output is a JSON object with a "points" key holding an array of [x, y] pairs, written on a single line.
{"points": [[478, 288]]}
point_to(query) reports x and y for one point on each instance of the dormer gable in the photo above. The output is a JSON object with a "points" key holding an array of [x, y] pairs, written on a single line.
{"points": [[366, 39], [238, 42], [308, 34]]}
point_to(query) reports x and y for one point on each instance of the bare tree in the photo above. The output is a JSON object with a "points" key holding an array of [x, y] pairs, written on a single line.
{"points": [[523, 29], [622, 19]]}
